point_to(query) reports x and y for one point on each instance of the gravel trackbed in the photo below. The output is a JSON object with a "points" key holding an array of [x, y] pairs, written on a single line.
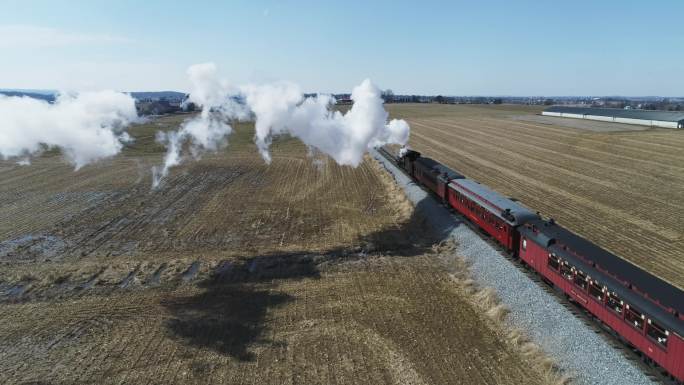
{"points": [[588, 356]]}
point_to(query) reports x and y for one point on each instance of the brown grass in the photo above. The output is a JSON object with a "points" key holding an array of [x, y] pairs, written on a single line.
{"points": [[486, 300]]}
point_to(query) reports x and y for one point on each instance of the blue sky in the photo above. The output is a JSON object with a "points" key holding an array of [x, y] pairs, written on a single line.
{"points": [[453, 48]]}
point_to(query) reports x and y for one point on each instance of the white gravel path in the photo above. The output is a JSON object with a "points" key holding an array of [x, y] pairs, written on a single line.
{"points": [[564, 336]]}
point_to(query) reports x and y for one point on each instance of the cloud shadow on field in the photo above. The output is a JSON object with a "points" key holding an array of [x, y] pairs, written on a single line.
{"points": [[229, 315], [224, 318]]}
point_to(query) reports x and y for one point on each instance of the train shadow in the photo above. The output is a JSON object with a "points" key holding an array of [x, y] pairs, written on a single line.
{"points": [[230, 314]]}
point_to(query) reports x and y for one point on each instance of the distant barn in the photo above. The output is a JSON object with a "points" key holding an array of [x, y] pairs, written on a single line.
{"points": [[665, 119]]}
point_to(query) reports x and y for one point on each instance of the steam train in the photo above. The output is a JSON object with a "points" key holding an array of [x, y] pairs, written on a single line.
{"points": [[643, 310]]}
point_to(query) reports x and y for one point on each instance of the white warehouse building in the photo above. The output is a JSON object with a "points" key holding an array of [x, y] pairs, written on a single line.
{"points": [[666, 119]]}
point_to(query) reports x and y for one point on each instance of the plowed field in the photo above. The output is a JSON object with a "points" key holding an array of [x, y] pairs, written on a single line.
{"points": [[232, 272], [623, 190]]}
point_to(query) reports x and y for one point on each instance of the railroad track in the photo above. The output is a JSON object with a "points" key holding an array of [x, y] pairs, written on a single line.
{"points": [[595, 325]]}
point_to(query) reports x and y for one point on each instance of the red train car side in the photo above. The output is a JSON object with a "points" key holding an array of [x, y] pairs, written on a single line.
{"points": [[497, 215], [646, 312]]}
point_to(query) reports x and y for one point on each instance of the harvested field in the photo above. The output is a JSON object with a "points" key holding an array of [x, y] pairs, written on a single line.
{"points": [[233, 271], [622, 190]]}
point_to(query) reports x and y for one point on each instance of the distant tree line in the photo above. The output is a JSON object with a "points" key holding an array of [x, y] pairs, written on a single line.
{"points": [[645, 103], [163, 105]]}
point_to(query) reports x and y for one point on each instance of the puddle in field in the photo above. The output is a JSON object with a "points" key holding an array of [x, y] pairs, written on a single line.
{"points": [[126, 282], [32, 246], [191, 272], [92, 280], [16, 290], [155, 278]]}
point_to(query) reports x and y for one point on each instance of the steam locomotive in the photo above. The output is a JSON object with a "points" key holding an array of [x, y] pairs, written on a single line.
{"points": [[643, 310]]}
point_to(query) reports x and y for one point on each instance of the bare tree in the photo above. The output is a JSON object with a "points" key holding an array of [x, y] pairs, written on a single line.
{"points": [[388, 96]]}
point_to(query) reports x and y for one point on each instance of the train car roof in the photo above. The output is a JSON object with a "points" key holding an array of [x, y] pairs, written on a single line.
{"points": [[657, 289], [507, 209]]}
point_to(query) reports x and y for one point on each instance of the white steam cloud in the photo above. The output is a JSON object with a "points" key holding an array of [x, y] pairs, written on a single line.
{"points": [[209, 130], [90, 126], [281, 108], [86, 127]]}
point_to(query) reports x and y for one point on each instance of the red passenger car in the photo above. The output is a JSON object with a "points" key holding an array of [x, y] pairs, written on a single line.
{"points": [[644, 310], [497, 215]]}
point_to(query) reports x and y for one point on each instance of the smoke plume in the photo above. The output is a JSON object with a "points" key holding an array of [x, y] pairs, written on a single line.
{"points": [[209, 130], [86, 127], [281, 108]]}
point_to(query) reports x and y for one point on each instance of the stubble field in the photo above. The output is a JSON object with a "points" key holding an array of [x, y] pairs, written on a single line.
{"points": [[234, 272], [623, 190]]}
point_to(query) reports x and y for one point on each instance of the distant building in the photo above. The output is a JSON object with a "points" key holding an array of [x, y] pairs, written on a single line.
{"points": [[666, 119]]}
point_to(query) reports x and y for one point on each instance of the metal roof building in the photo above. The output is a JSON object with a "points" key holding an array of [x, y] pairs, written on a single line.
{"points": [[667, 119]]}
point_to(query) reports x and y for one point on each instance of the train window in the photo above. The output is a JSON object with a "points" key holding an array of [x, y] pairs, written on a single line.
{"points": [[614, 303], [657, 333], [595, 290], [634, 317], [581, 279], [566, 271], [554, 263]]}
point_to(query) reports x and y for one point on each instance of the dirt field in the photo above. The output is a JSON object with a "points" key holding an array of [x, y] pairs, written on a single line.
{"points": [[233, 272], [622, 190]]}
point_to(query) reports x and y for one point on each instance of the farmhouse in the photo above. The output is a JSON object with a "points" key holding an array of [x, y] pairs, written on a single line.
{"points": [[665, 119]]}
